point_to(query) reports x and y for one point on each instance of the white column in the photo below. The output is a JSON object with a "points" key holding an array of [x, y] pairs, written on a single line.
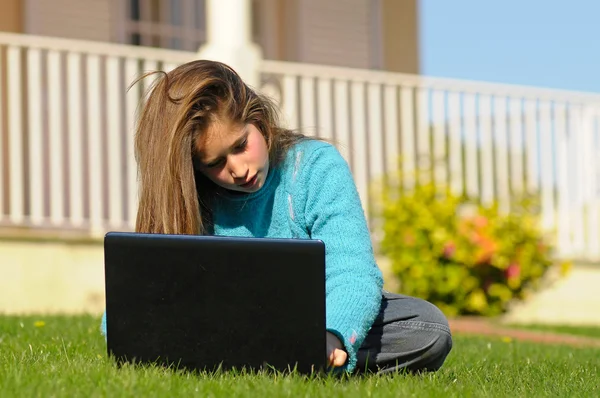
{"points": [[229, 38]]}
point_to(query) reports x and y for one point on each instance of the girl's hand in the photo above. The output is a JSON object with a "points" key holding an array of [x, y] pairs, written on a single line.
{"points": [[335, 351]]}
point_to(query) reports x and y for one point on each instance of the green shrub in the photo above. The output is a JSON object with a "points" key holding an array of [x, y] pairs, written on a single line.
{"points": [[464, 257]]}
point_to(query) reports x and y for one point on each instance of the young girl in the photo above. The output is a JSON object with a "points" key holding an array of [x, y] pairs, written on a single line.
{"points": [[213, 160]]}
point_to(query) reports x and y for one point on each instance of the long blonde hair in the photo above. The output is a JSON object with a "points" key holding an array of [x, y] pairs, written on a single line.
{"points": [[179, 107]]}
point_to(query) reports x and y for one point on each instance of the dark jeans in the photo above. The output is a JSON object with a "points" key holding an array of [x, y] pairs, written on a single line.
{"points": [[408, 334]]}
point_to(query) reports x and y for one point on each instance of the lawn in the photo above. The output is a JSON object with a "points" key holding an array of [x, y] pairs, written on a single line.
{"points": [[65, 356], [584, 331]]}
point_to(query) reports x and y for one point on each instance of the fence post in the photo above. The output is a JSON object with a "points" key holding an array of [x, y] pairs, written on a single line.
{"points": [[229, 38]]}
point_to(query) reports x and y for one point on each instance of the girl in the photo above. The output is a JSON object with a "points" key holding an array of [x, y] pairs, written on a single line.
{"points": [[213, 160]]}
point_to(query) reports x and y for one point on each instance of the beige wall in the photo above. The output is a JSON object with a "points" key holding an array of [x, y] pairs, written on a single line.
{"points": [[332, 32], [51, 276], [11, 16], [74, 19], [335, 32], [354, 33], [400, 36], [350, 33]]}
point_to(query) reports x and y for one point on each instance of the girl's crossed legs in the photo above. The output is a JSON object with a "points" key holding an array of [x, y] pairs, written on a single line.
{"points": [[408, 334]]}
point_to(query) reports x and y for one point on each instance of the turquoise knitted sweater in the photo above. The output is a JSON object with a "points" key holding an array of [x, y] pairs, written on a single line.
{"points": [[312, 195]]}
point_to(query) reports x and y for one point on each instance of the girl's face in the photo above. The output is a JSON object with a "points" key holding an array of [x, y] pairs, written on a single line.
{"points": [[234, 157]]}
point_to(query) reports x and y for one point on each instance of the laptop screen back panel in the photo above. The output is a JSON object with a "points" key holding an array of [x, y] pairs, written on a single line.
{"points": [[203, 302]]}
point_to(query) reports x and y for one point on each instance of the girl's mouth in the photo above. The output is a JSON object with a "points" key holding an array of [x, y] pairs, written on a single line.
{"points": [[250, 183]]}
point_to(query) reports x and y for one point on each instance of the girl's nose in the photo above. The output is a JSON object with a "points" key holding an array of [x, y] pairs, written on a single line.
{"points": [[237, 169]]}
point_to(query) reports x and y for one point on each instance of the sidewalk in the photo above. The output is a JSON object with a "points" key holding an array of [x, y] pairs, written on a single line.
{"points": [[485, 327]]}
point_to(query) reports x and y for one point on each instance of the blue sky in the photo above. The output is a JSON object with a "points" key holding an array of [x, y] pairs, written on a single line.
{"points": [[552, 43]]}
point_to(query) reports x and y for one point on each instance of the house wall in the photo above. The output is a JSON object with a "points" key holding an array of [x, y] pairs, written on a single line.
{"points": [[335, 32], [267, 34], [379, 34], [11, 16], [400, 23], [75, 19], [371, 34]]}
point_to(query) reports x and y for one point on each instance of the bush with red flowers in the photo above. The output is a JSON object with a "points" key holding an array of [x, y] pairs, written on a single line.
{"points": [[466, 258]]}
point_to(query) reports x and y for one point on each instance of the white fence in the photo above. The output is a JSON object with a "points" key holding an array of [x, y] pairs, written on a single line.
{"points": [[66, 123], [66, 135], [489, 141]]}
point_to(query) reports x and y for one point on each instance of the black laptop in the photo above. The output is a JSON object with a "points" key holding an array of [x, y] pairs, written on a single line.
{"points": [[208, 303]]}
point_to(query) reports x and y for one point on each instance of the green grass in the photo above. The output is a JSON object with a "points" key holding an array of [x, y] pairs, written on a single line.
{"points": [[585, 331], [66, 358]]}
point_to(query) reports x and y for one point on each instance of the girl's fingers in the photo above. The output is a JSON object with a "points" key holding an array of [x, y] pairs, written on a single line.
{"points": [[337, 358]]}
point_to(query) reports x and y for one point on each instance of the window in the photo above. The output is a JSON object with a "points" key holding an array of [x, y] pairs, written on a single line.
{"points": [[173, 24]]}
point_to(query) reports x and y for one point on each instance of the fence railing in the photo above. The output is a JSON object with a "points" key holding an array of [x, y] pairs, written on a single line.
{"points": [[490, 141], [66, 135], [66, 121]]}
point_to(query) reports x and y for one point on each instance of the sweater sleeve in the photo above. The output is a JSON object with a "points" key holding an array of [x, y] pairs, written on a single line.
{"points": [[333, 213], [103, 325]]}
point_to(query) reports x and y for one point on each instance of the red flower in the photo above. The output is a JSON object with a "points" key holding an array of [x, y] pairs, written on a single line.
{"points": [[513, 271], [480, 222], [486, 249], [449, 249]]}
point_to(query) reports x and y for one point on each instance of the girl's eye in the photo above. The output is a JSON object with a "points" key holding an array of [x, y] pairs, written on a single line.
{"points": [[216, 163], [242, 145]]}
